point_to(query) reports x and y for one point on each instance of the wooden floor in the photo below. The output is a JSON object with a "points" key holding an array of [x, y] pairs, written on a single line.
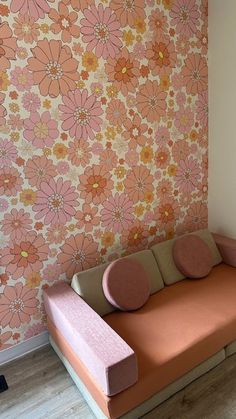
{"points": [[40, 387]]}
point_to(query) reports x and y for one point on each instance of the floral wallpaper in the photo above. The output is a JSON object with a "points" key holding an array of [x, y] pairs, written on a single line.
{"points": [[103, 139]]}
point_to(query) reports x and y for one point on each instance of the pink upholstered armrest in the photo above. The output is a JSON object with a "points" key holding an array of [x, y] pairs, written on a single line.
{"points": [[105, 354], [227, 249]]}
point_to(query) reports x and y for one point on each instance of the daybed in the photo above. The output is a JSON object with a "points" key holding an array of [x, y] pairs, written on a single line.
{"points": [[126, 363]]}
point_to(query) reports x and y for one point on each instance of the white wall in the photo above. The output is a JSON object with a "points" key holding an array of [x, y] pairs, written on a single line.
{"points": [[222, 116]]}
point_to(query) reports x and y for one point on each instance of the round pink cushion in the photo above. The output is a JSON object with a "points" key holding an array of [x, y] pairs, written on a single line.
{"points": [[126, 284], [192, 256]]}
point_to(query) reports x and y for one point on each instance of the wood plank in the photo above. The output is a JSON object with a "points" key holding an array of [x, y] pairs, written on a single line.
{"points": [[40, 387]]}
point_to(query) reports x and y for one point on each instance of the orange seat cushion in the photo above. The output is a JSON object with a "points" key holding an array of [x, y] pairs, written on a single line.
{"points": [[178, 328]]}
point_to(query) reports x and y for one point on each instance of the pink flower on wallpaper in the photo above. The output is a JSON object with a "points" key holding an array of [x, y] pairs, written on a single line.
{"points": [[184, 120], [4, 337], [40, 130], [10, 181], [52, 272], [187, 175], [185, 16], [3, 205], [26, 29], [162, 157], [8, 152], [56, 233], [135, 238], [194, 74], [100, 30], [54, 70], [202, 108], [35, 8], [180, 150], [80, 114], [78, 253], [135, 130], [87, 218], [79, 152], [64, 22], [138, 183], [63, 167], [161, 56], [35, 330], [128, 12], [108, 158], [7, 46], [31, 102], [123, 71], [16, 224], [22, 79], [55, 202], [139, 50], [95, 185], [39, 169], [17, 304], [25, 256], [197, 216], [162, 135], [158, 23], [164, 189], [15, 122], [3, 111], [116, 112], [117, 213], [151, 101]]}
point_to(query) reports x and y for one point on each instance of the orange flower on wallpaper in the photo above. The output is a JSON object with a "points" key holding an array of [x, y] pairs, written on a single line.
{"points": [[128, 11], [10, 181], [123, 71], [25, 256], [79, 152], [79, 4], [95, 184], [161, 56], [7, 46], [167, 212], [138, 182], [64, 22], [26, 29], [135, 130], [39, 169], [151, 101], [195, 73], [17, 304], [54, 69], [116, 112], [135, 238]]}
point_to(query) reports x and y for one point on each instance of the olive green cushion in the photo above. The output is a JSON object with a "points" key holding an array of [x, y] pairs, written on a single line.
{"points": [[88, 284], [163, 254]]}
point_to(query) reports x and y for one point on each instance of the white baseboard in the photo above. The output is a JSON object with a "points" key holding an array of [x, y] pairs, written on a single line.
{"points": [[23, 348]]}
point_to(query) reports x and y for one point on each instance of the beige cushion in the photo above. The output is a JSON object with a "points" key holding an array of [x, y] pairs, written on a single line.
{"points": [[88, 284], [163, 254]]}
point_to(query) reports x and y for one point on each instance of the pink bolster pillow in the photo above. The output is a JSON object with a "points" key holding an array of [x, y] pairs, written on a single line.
{"points": [[126, 285], [192, 256]]}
